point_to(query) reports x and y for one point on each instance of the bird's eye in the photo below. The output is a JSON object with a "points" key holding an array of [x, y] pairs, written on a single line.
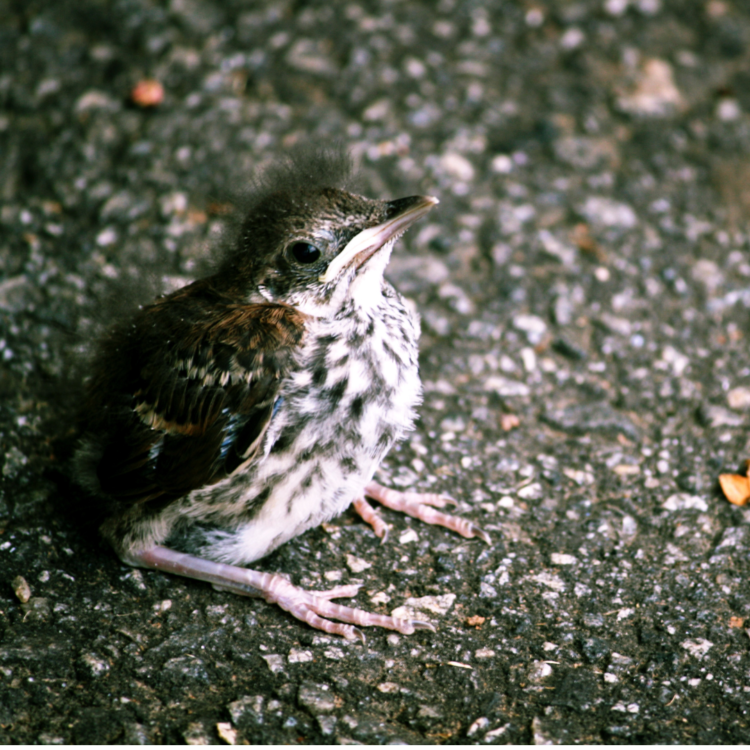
{"points": [[304, 252]]}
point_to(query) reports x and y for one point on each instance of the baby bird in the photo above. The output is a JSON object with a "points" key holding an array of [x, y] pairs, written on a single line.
{"points": [[234, 414]]}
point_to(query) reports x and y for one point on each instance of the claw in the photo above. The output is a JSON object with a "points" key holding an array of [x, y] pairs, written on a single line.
{"points": [[371, 517], [448, 500], [359, 634], [384, 537], [478, 531], [422, 625]]}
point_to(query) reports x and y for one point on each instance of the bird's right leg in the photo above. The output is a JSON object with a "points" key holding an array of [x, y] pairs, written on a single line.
{"points": [[313, 607], [418, 505]]}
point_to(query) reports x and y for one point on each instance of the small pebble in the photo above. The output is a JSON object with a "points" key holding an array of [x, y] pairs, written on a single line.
{"points": [[739, 398], [607, 213], [94, 665], [572, 39], [708, 273], [317, 699], [196, 734], [163, 606], [227, 732], [532, 325], [477, 726], [247, 711], [106, 237], [414, 609], [388, 687], [728, 110], [616, 7], [718, 416], [509, 422], [186, 670], [697, 647], [655, 94], [408, 536], [558, 558], [539, 671], [685, 501], [37, 609], [502, 164], [357, 564], [495, 733], [275, 662], [327, 724], [135, 734], [21, 589], [299, 656], [458, 167], [506, 387]]}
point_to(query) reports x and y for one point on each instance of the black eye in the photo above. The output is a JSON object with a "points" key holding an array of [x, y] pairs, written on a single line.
{"points": [[304, 252]]}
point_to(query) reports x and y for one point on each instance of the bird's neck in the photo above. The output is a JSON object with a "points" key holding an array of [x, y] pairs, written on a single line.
{"points": [[366, 291]]}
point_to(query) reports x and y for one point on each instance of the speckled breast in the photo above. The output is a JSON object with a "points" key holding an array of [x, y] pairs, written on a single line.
{"points": [[352, 397]]}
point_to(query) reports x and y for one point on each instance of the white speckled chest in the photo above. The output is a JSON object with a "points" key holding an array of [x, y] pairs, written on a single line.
{"points": [[352, 397]]}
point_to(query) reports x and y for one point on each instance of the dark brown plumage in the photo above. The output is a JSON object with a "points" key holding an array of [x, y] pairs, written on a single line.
{"points": [[143, 396]]}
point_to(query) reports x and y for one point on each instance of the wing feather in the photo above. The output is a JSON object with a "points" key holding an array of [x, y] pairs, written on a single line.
{"points": [[185, 392]]}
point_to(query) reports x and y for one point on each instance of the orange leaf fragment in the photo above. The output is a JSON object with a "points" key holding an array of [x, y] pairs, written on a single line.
{"points": [[736, 488], [736, 622], [475, 620], [147, 93]]}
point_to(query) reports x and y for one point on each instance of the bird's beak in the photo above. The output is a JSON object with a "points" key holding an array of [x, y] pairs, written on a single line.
{"points": [[402, 214]]}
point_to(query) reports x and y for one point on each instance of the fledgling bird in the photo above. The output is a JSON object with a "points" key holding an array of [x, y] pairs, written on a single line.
{"points": [[232, 415]]}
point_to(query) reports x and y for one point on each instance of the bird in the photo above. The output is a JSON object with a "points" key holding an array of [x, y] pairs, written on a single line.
{"points": [[226, 418]]}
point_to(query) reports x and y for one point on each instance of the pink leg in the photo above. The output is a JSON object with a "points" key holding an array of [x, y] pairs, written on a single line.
{"points": [[422, 506], [370, 516], [310, 606]]}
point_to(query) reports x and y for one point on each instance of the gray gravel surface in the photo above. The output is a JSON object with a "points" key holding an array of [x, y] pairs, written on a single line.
{"points": [[586, 279]]}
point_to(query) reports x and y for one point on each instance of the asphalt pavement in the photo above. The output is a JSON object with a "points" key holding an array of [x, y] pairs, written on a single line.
{"points": [[584, 287]]}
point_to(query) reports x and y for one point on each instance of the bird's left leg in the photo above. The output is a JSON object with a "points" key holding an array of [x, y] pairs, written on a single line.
{"points": [[313, 607], [417, 505]]}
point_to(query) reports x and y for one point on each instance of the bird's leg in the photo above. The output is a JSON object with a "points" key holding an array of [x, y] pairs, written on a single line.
{"points": [[417, 505], [371, 517], [310, 606]]}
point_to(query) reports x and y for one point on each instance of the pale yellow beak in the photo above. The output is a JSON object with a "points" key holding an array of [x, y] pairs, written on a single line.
{"points": [[364, 245]]}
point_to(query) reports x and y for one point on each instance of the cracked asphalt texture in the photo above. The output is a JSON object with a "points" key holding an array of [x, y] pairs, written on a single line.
{"points": [[584, 287]]}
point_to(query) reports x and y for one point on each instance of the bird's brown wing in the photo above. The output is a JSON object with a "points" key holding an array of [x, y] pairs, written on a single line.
{"points": [[184, 394]]}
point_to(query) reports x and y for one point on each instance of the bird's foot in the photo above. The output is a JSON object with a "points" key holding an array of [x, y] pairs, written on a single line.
{"points": [[372, 518], [417, 505], [312, 607]]}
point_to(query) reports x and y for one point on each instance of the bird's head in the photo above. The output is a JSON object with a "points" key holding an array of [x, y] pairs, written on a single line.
{"points": [[317, 247]]}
